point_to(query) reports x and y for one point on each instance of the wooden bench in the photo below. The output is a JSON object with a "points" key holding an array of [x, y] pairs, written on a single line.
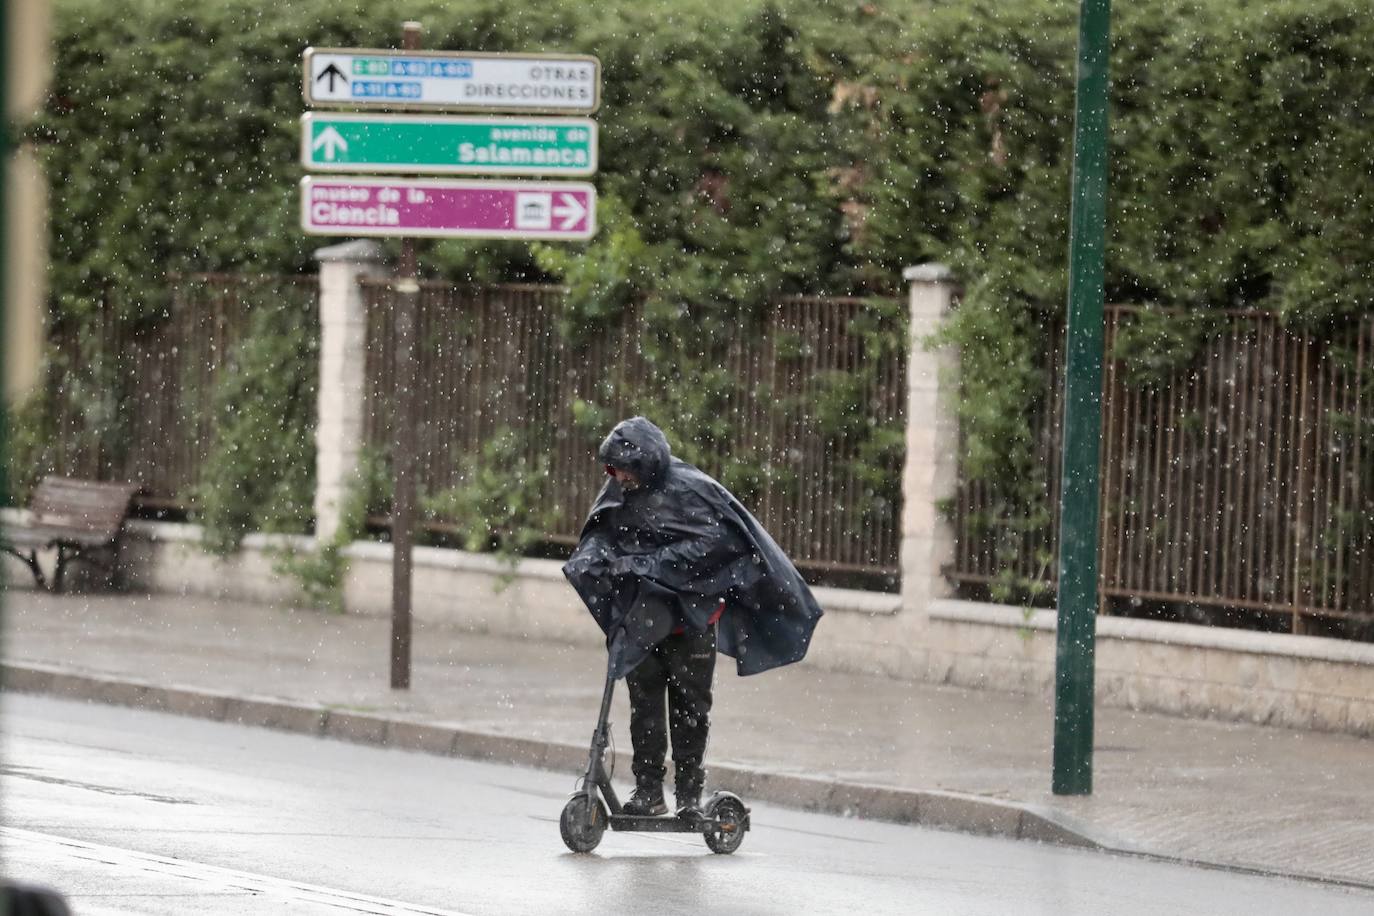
{"points": [[81, 518]]}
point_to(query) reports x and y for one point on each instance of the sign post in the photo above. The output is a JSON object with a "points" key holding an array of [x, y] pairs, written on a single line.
{"points": [[406, 304], [410, 207], [1078, 519]]}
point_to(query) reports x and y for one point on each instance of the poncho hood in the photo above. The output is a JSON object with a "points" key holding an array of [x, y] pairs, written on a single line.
{"points": [[638, 446]]}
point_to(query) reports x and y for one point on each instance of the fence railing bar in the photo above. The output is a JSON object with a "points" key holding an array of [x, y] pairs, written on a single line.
{"points": [[1304, 487], [1279, 520], [1246, 561], [811, 465], [1111, 472], [1297, 405], [1174, 477], [1270, 493], [1323, 495], [1139, 465], [1121, 442], [1231, 465], [1352, 476], [1343, 403], [1367, 546], [1192, 450]]}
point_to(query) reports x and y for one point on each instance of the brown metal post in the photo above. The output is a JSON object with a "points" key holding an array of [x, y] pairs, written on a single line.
{"points": [[405, 302]]}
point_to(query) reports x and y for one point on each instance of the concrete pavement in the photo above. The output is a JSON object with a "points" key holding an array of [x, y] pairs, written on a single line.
{"points": [[1233, 795], [136, 812]]}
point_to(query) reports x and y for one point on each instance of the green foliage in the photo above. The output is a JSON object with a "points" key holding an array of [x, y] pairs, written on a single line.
{"points": [[259, 472], [502, 499], [320, 572], [171, 137], [766, 147], [605, 278], [1153, 345], [31, 445]]}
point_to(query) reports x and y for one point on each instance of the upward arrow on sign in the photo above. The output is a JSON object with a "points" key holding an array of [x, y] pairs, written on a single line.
{"points": [[332, 142], [333, 73]]}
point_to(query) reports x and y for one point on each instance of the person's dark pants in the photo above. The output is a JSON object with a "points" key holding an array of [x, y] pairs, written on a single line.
{"points": [[680, 668]]}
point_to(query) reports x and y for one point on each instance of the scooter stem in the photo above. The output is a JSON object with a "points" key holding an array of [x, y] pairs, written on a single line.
{"points": [[601, 737], [606, 699]]}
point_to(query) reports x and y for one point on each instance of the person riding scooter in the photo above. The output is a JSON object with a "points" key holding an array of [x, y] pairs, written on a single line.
{"points": [[673, 568]]}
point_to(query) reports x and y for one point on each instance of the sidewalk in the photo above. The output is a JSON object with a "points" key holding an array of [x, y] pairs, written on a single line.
{"points": [[1269, 799]]}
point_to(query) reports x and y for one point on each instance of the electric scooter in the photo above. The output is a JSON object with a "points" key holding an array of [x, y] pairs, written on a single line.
{"points": [[722, 821]]}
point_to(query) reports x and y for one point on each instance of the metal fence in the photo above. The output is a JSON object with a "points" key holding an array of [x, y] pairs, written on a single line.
{"points": [[1242, 480], [492, 359], [129, 396]]}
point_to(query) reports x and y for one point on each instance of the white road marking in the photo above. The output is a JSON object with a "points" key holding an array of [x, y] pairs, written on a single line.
{"points": [[227, 878]]}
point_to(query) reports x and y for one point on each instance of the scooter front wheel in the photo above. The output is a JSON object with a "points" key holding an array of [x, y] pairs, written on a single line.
{"points": [[583, 822], [729, 820]]}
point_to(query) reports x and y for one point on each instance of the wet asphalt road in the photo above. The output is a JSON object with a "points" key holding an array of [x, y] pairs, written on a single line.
{"points": [[132, 812]]}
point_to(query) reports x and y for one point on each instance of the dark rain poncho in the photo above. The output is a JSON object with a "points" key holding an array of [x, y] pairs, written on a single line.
{"points": [[665, 554]]}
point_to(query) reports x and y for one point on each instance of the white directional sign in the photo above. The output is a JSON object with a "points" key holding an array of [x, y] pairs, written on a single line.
{"points": [[453, 80]]}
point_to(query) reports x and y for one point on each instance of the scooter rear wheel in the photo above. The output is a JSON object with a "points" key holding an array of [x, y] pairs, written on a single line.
{"points": [[583, 822], [727, 832]]}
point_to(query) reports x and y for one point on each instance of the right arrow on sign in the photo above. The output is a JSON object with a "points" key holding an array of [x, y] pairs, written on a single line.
{"points": [[570, 210], [332, 142]]}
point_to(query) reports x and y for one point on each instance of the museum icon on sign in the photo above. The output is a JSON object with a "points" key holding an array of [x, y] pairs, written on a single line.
{"points": [[533, 210]]}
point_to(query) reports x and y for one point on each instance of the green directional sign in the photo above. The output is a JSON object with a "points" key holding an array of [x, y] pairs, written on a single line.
{"points": [[448, 144]]}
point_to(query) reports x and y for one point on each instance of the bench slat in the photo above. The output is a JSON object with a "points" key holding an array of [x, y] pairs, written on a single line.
{"points": [[87, 510], [41, 536]]}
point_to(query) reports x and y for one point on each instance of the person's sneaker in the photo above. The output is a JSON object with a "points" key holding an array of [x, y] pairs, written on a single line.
{"points": [[647, 801]]}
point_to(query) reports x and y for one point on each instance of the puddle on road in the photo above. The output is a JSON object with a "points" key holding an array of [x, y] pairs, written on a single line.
{"points": [[28, 773]]}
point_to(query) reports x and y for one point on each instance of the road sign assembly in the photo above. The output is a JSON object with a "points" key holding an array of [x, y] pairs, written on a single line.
{"points": [[357, 206], [448, 144], [443, 81], [453, 80]]}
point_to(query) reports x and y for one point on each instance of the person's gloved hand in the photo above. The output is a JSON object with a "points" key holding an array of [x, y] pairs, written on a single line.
{"points": [[634, 564]]}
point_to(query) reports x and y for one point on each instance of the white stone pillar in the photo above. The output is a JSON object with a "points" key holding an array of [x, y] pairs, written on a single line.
{"points": [[932, 442], [343, 345]]}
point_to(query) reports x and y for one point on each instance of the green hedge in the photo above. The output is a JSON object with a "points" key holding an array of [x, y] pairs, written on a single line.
{"points": [[769, 147], [171, 138]]}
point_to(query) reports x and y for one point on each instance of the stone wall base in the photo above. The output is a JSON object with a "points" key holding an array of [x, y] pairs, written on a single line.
{"points": [[1182, 669], [1201, 672]]}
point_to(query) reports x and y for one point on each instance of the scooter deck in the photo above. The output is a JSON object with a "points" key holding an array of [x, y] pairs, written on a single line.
{"points": [[663, 823]]}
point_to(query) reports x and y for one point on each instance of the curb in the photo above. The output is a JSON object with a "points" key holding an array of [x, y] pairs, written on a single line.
{"points": [[939, 810]]}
